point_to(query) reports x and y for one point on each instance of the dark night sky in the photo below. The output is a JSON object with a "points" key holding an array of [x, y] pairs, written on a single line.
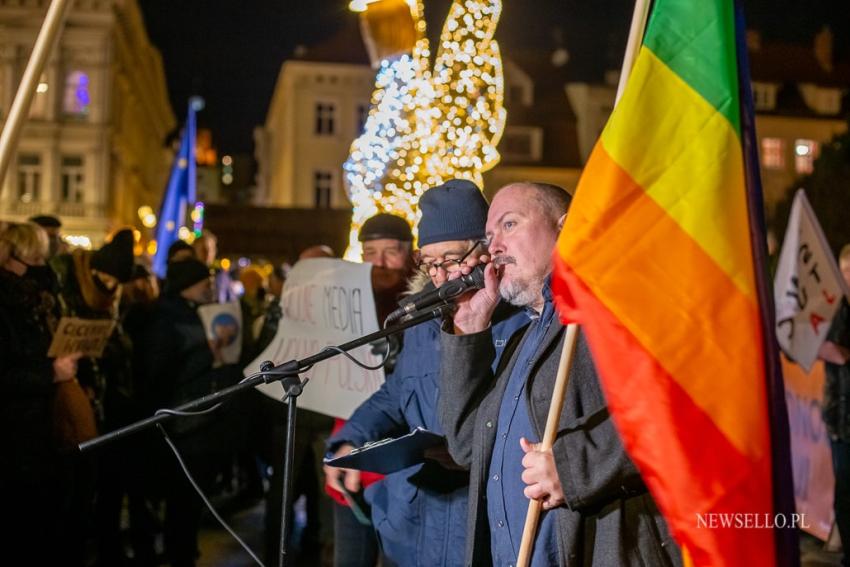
{"points": [[230, 52]]}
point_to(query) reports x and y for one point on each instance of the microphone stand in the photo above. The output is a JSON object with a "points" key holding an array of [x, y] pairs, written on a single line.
{"points": [[288, 374]]}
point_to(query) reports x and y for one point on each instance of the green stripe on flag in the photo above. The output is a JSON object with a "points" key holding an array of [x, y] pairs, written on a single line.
{"points": [[696, 39]]}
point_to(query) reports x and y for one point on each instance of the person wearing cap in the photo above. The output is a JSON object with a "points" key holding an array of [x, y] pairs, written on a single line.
{"points": [[179, 250], [388, 246], [52, 226], [90, 288], [181, 365], [419, 513]]}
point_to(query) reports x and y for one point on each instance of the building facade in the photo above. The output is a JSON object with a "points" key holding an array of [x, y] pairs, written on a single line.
{"points": [[92, 151], [540, 138], [321, 102], [800, 96], [319, 106], [317, 110]]}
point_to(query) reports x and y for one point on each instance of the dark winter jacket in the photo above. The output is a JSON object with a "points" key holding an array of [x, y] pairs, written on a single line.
{"points": [[180, 368], [836, 393], [419, 513], [27, 318], [108, 378], [609, 517]]}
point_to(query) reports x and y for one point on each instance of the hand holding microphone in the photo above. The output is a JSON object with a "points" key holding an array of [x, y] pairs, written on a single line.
{"points": [[474, 289], [432, 296], [475, 310]]}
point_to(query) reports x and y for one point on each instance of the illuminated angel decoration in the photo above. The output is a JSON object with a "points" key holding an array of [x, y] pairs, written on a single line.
{"points": [[425, 125]]}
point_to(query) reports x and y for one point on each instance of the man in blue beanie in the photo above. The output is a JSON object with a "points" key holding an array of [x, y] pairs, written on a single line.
{"points": [[419, 513]]}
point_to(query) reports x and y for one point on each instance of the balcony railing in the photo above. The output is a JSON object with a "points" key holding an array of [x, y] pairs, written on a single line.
{"points": [[60, 209]]}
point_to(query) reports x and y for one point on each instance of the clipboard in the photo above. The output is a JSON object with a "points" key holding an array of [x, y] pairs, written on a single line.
{"points": [[390, 455]]}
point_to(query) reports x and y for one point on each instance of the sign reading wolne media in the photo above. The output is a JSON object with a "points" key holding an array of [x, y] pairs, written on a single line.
{"points": [[326, 302]]}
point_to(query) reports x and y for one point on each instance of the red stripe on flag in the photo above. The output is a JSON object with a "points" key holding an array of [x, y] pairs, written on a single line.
{"points": [[674, 298], [688, 464]]}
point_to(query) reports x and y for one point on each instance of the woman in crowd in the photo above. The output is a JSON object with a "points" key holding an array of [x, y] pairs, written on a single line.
{"points": [[28, 382]]}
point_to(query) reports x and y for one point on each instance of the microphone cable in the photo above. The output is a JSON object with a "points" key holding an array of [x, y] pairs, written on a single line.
{"points": [[211, 409]]}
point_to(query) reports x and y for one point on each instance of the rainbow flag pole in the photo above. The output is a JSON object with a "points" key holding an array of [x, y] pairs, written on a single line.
{"points": [[532, 517], [661, 260]]}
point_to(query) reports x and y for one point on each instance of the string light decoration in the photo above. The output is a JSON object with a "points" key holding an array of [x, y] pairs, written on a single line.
{"points": [[426, 125], [197, 217]]}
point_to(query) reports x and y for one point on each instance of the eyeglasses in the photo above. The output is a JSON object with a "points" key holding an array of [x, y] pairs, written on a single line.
{"points": [[448, 265]]}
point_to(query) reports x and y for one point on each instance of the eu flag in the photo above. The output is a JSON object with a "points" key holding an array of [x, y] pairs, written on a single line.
{"points": [[179, 192]]}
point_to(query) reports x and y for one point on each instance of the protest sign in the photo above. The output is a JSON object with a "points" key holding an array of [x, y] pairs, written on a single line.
{"points": [[326, 302], [223, 327], [807, 287], [811, 455], [86, 336]]}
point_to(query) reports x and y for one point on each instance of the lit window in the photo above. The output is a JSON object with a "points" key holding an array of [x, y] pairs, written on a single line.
{"points": [[325, 116], [76, 100], [72, 178], [29, 177], [805, 153], [773, 153], [764, 96], [38, 107], [322, 184]]}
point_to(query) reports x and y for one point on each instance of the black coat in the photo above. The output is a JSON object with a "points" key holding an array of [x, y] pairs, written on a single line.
{"points": [[26, 379], [108, 378], [609, 517], [179, 368]]}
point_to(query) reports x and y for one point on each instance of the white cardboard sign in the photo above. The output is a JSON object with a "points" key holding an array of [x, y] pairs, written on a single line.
{"points": [[326, 302]]}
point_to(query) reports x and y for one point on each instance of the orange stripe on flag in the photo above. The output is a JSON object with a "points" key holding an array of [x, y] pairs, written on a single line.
{"points": [[673, 289], [686, 461]]}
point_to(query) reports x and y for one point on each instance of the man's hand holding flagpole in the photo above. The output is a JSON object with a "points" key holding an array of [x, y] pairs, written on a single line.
{"points": [[532, 517]]}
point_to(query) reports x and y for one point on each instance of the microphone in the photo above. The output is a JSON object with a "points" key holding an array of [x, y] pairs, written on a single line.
{"points": [[431, 295]]}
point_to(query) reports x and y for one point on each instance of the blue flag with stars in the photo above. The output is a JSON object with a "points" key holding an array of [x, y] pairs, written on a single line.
{"points": [[179, 193]]}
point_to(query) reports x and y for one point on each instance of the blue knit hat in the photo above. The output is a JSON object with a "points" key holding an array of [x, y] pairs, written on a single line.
{"points": [[455, 210]]}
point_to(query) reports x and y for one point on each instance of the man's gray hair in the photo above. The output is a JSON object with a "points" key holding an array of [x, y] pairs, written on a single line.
{"points": [[553, 200]]}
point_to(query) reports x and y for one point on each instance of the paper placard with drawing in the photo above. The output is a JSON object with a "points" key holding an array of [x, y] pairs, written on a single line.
{"points": [[223, 326]]}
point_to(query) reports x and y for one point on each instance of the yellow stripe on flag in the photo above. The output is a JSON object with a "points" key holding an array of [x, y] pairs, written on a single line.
{"points": [[697, 172], [672, 287]]}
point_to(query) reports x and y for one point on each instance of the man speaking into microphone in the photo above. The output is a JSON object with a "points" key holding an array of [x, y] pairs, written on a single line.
{"points": [[419, 513], [597, 511]]}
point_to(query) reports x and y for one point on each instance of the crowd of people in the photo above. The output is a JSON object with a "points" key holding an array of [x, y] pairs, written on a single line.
{"points": [[130, 499], [482, 378]]}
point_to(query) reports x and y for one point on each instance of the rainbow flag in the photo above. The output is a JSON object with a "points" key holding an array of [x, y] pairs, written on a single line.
{"points": [[657, 262]]}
